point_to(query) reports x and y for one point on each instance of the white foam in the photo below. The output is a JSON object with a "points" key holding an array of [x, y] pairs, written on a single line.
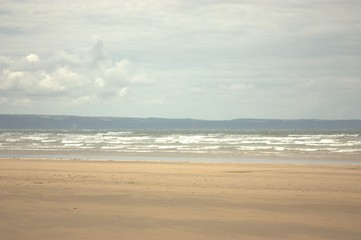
{"points": [[73, 145], [115, 133], [71, 141], [112, 147], [279, 148], [348, 150], [12, 140], [309, 149], [211, 147], [49, 141], [254, 148], [36, 137], [193, 142]]}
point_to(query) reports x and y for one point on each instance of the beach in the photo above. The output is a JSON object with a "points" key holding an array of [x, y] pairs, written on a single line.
{"points": [[70, 199]]}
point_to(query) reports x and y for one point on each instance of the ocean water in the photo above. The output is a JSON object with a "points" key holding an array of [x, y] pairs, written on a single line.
{"points": [[196, 145]]}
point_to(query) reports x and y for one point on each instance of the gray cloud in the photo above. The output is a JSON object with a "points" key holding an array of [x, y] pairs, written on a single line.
{"points": [[270, 58], [6, 30]]}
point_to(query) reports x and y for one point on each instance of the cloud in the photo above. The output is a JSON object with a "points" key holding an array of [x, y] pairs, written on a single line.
{"points": [[78, 77], [122, 92], [245, 57], [10, 31], [32, 58]]}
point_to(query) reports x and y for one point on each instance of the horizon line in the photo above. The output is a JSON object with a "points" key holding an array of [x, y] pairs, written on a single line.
{"points": [[183, 118]]}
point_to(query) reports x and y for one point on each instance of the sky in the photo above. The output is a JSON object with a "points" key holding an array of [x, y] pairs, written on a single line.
{"points": [[203, 59]]}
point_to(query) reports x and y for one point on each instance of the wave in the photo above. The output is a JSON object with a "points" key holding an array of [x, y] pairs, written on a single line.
{"points": [[221, 142]]}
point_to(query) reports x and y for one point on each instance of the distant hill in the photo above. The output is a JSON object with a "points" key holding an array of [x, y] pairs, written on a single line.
{"points": [[76, 122]]}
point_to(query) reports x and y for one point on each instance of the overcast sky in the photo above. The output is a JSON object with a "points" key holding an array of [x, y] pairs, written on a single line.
{"points": [[205, 59]]}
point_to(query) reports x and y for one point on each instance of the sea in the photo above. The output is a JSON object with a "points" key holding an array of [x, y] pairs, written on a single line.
{"points": [[253, 146]]}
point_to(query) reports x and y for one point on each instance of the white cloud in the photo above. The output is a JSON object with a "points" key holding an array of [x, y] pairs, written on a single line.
{"points": [[122, 92], [32, 58], [48, 83], [117, 71], [82, 99], [99, 82], [79, 77]]}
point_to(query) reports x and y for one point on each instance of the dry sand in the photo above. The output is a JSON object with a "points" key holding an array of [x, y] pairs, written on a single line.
{"points": [[43, 199]]}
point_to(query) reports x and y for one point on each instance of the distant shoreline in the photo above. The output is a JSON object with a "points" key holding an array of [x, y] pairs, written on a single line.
{"points": [[22, 121]]}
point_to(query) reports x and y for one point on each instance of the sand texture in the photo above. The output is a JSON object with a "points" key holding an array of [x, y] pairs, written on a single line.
{"points": [[41, 199]]}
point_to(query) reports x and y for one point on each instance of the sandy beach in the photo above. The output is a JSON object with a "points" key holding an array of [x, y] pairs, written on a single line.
{"points": [[58, 199]]}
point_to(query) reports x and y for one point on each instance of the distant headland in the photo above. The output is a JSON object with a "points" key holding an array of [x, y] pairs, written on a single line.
{"points": [[20, 121]]}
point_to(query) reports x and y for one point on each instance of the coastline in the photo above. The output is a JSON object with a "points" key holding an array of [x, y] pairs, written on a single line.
{"points": [[62, 199], [341, 159]]}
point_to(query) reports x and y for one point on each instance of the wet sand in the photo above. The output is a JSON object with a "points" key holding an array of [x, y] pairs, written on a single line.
{"points": [[43, 199]]}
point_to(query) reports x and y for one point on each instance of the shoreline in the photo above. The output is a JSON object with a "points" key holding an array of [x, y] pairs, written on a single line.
{"points": [[183, 157], [260, 162], [62, 199]]}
